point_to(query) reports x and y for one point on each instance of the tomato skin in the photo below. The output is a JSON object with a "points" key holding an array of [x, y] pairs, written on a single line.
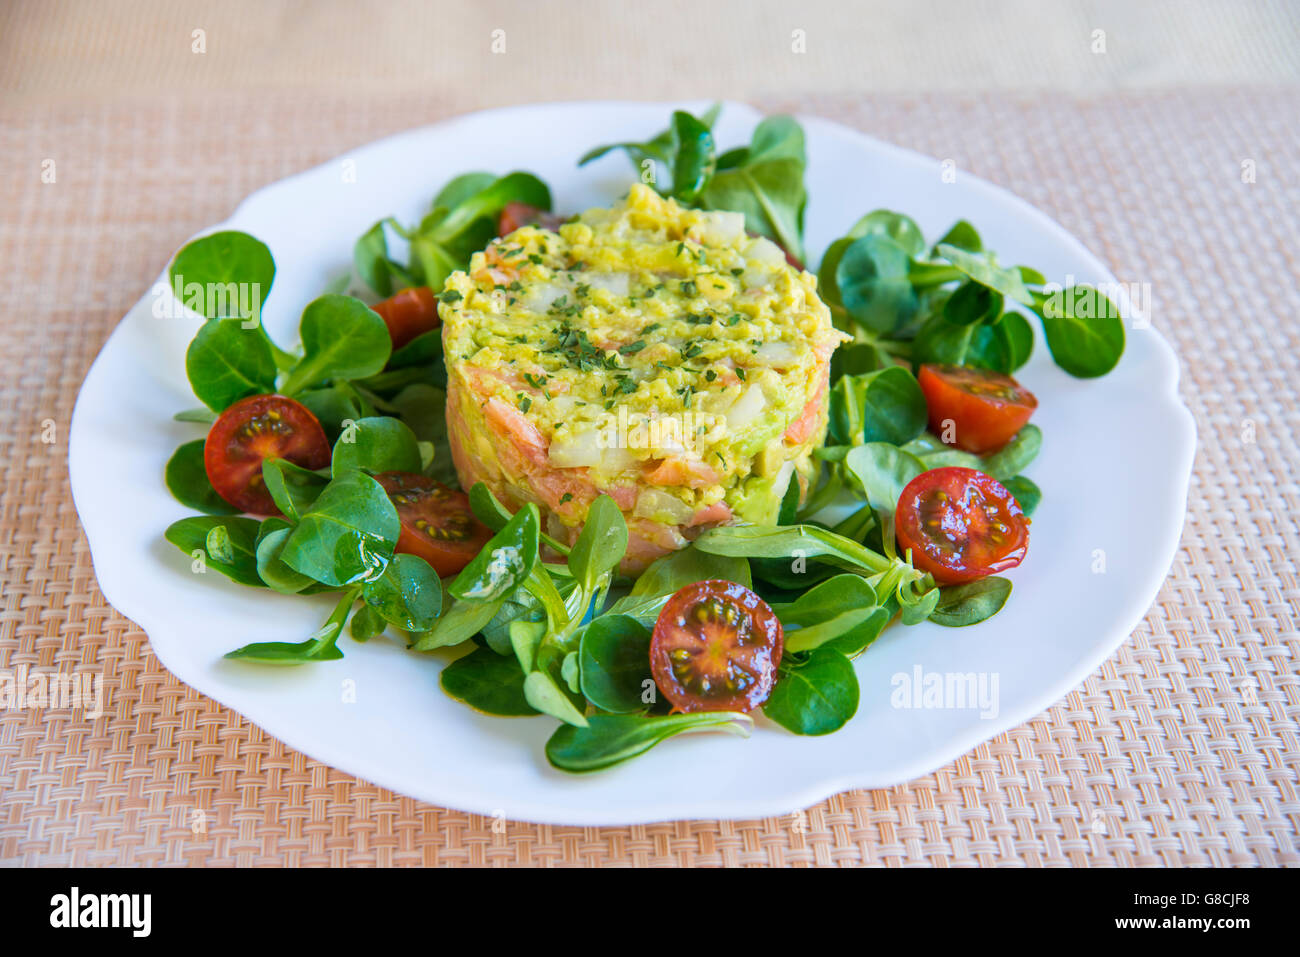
{"points": [[260, 427], [408, 314], [437, 523], [985, 408], [515, 215], [715, 647], [960, 525]]}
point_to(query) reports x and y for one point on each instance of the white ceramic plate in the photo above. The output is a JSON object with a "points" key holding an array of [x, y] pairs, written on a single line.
{"points": [[1114, 470]]}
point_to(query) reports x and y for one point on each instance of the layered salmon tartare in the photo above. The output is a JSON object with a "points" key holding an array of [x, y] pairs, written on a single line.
{"points": [[653, 353]]}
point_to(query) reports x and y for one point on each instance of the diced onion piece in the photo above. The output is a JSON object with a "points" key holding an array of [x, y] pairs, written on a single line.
{"points": [[575, 449], [777, 354], [721, 228], [539, 296], [660, 506], [583, 449], [614, 283], [746, 409], [783, 479], [561, 406], [666, 436], [763, 250], [764, 258]]}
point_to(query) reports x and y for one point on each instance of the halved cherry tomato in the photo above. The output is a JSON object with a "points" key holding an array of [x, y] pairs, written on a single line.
{"points": [[521, 214], [985, 408], [408, 314], [715, 647], [437, 524], [960, 525], [256, 428]]}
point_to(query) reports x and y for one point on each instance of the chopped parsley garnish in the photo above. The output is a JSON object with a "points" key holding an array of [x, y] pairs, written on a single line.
{"points": [[525, 403], [536, 381], [688, 287], [566, 497], [740, 371], [448, 296], [578, 350], [535, 259], [632, 347], [710, 375], [734, 319]]}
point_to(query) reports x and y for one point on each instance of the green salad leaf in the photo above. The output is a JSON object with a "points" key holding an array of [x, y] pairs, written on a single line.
{"points": [[347, 535], [608, 739], [815, 694], [187, 479]]}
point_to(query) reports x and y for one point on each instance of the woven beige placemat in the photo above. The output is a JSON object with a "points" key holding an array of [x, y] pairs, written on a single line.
{"points": [[1181, 749]]}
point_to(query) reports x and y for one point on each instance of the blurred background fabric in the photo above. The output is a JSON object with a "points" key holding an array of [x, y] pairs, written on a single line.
{"points": [[592, 49], [1165, 135]]}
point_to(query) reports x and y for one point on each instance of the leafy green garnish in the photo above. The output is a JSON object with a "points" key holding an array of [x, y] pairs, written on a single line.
{"points": [[763, 180], [609, 739], [347, 535], [815, 694], [948, 304], [462, 221], [227, 362], [971, 603], [187, 479], [238, 559], [342, 338]]}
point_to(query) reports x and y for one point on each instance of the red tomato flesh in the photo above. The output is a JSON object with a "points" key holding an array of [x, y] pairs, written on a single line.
{"points": [[715, 647], [408, 314], [980, 410], [437, 523], [256, 428], [960, 525]]}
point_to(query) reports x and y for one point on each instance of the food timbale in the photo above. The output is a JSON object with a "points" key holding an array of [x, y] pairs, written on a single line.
{"points": [[656, 354]]}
